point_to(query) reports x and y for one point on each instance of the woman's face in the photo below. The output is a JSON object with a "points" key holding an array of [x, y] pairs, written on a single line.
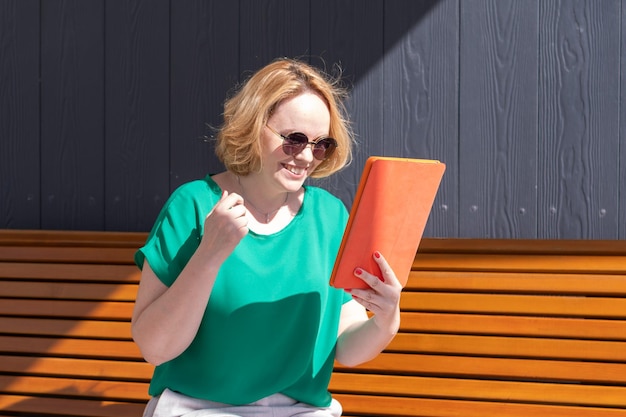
{"points": [[306, 113]]}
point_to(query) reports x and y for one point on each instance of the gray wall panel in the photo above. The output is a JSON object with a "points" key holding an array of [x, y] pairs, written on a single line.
{"points": [[579, 119], [204, 68], [620, 187], [19, 115], [498, 128], [137, 112], [106, 105], [72, 114], [352, 38], [421, 95], [270, 29]]}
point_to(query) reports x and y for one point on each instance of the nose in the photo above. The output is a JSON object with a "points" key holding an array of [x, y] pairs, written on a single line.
{"points": [[306, 154]]}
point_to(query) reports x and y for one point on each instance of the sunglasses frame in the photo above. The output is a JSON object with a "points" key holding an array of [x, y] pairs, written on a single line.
{"points": [[292, 147]]}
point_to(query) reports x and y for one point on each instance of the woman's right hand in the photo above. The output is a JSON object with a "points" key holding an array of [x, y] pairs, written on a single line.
{"points": [[225, 225]]}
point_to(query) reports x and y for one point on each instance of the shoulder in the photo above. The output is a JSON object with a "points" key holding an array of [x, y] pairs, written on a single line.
{"points": [[191, 188], [321, 194], [321, 200], [200, 191], [190, 202], [178, 226]]}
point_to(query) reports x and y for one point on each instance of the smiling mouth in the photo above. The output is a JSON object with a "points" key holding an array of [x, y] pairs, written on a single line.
{"points": [[295, 170]]}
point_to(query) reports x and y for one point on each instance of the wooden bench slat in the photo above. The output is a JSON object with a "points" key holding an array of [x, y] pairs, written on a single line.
{"points": [[68, 291], [67, 387], [561, 247], [73, 367], [420, 343], [580, 264], [494, 368], [515, 282], [78, 348], [70, 272], [514, 325], [80, 255], [484, 390], [44, 406], [66, 328], [524, 347], [515, 368], [112, 310], [71, 238], [407, 407], [531, 305], [105, 389]]}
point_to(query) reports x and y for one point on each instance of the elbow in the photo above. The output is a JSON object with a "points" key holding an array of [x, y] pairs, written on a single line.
{"points": [[352, 361], [152, 358], [348, 363], [155, 361], [150, 350], [148, 355], [352, 358]]}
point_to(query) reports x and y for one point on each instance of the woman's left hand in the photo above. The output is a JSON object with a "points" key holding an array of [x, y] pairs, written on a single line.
{"points": [[382, 298], [361, 337]]}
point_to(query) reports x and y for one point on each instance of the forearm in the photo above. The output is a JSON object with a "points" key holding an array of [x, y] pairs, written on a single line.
{"points": [[364, 340], [167, 324], [361, 338]]}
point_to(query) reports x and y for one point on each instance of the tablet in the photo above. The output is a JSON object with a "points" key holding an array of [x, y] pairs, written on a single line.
{"points": [[389, 214]]}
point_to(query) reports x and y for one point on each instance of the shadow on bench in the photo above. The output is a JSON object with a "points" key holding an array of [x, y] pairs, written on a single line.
{"points": [[490, 328]]}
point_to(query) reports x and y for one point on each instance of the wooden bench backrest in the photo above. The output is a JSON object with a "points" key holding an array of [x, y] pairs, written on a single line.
{"points": [[489, 328], [66, 299], [508, 328]]}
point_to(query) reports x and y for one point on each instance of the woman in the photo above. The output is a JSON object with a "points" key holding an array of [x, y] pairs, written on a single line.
{"points": [[234, 306]]}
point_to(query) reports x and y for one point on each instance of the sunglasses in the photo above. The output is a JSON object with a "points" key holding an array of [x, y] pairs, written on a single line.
{"points": [[295, 142]]}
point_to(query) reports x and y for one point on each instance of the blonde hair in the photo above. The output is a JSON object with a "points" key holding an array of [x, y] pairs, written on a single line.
{"points": [[247, 112]]}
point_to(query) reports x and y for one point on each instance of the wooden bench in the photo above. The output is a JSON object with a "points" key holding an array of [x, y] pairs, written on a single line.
{"points": [[66, 299], [490, 328]]}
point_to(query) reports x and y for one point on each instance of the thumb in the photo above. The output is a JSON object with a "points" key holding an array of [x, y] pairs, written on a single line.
{"points": [[222, 198]]}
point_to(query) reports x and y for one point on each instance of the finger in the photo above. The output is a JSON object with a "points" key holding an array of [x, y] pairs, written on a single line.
{"points": [[231, 200], [388, 274], [365, 298], [372, 280], [219, 202], [228, 206], [237, 211], [241, 224]]}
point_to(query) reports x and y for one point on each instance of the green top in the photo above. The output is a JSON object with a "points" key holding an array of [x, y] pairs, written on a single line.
{"points": [[271, 322]]}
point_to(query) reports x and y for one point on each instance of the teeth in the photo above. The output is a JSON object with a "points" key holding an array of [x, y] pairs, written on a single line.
{"points": [[295, 170]]}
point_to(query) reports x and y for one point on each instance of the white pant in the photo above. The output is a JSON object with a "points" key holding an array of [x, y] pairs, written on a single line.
{"points": [[173, 404]]}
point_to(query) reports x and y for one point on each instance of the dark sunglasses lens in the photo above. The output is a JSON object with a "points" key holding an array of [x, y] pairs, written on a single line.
{"points": [[324, 148], [294, 143]]}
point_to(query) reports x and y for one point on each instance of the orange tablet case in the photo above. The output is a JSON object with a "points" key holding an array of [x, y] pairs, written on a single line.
{"points": [[389, 213]]}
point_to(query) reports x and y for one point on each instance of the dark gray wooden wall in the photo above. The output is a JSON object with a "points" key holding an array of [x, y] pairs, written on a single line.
{"points": [[104, 104]]}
